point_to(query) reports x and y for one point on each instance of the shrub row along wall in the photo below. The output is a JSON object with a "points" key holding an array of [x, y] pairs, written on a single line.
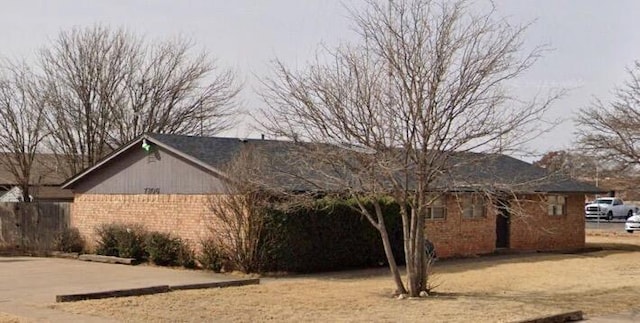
{"points": [[32, 226], [325, 236], [329, 235], [185, 216]]}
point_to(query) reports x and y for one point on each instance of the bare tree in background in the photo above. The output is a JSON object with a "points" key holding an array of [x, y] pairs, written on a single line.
{"points": [[427, 80], [105, 87], [22, 123], [611, 130]]}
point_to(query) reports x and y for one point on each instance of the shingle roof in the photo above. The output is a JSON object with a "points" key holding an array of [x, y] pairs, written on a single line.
{"points": [[470, 170], [502, 170], [215, 151]]}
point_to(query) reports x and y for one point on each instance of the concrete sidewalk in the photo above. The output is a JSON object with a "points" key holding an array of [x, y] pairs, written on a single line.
{"points": [[29, 284]]}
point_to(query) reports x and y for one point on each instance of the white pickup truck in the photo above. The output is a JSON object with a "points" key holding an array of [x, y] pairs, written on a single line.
{"points": [[608, 208]]}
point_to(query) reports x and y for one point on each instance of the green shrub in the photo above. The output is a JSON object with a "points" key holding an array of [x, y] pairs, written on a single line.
{"points": [[69, 240], [164, 249], [187, 257], [210, 256], [122, 240], [107, 241], [131, 243], [329, 235]]}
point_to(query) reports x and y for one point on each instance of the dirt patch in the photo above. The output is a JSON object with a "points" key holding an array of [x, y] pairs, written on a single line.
{"points": [[500, 288], [8, 318]]}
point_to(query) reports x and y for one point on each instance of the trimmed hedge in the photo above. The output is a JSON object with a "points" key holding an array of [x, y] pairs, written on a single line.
{"points": [[329, 235]]}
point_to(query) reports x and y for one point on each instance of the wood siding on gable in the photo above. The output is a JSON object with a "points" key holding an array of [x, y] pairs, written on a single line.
{"points": [[158, 172]]}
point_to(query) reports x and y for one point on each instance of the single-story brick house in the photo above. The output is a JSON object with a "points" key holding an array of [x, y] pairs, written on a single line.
{"points": [[167, 187]]}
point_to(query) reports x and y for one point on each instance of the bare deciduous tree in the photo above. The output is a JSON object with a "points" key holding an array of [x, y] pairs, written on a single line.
{"points": [[238, 216], [105, 87], [428, 80], [22, 123], [612, 130]]}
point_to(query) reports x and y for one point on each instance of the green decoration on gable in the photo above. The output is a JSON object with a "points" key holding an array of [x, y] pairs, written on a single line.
{"points": [[145, 146]]}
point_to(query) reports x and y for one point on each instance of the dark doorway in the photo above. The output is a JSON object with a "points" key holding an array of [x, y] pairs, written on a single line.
{"points": [[502, 223]]}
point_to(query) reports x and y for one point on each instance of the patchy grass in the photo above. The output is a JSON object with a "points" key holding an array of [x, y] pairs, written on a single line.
{"points": [[490, 289], [8, 318]]}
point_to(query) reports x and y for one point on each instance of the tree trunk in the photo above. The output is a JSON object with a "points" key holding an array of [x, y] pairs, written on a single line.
{"points": [[413, 264], [25, 193], [404, 213], [388, 251]]}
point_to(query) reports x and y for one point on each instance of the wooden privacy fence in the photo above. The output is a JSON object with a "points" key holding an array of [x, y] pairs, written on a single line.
{"points": [[32, 226]]}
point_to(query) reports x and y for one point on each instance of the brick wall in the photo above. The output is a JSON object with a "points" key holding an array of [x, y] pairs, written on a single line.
{"points": [[188, 216], [534, 229], [531, 228], [183, 215], [459, 236]]}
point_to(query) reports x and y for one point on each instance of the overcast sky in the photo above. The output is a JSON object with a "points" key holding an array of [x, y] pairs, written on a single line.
{"points": [[593, 41]]}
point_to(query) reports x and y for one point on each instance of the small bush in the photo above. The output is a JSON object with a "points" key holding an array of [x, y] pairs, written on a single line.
{"points": [[120, 240], [164, 249], [107, 241], [210, 257], [187, 257], [69, 240]]}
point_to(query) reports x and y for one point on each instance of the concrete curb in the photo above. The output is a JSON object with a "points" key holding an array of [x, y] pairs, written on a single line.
{"points": [[231, 283], [153, 290], [112, 293]]}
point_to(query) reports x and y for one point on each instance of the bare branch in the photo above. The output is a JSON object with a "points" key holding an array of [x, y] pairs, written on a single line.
{"points": [[105, 87], [610, 130], [426, 83], [22, 123]]}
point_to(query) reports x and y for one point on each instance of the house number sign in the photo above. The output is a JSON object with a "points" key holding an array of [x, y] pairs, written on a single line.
{"points": [[151, 190]]}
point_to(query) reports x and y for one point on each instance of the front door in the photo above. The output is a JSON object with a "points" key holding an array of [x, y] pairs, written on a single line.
{"points": [[502, 223]]}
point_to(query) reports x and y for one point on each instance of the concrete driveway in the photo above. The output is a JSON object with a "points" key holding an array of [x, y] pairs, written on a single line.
{"points": [[29, 284]]}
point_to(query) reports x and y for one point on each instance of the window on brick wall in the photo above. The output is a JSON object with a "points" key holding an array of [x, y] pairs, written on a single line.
{"points": [[436, 209], [473, 206], [556, 205]]}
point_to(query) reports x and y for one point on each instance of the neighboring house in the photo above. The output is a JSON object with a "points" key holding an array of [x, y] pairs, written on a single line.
{"points": [[13, 195], [45, 182], [167, 186], [40, 193]]}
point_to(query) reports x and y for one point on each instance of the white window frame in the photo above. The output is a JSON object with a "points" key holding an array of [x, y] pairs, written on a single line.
{"points": [[474, 206], [556, 205], [437, 209]]}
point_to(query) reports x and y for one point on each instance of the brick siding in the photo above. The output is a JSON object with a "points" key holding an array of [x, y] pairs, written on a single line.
{"points": [[183, 215], [188, 216], [531, 228], [459, 236], [536, 230]]}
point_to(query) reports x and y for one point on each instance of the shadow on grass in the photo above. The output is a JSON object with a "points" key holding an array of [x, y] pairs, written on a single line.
{"points": [[614, 246]]}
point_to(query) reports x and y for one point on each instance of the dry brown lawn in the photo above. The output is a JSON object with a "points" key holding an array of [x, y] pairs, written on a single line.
{"points": [[8, 318], [488, 289]]}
